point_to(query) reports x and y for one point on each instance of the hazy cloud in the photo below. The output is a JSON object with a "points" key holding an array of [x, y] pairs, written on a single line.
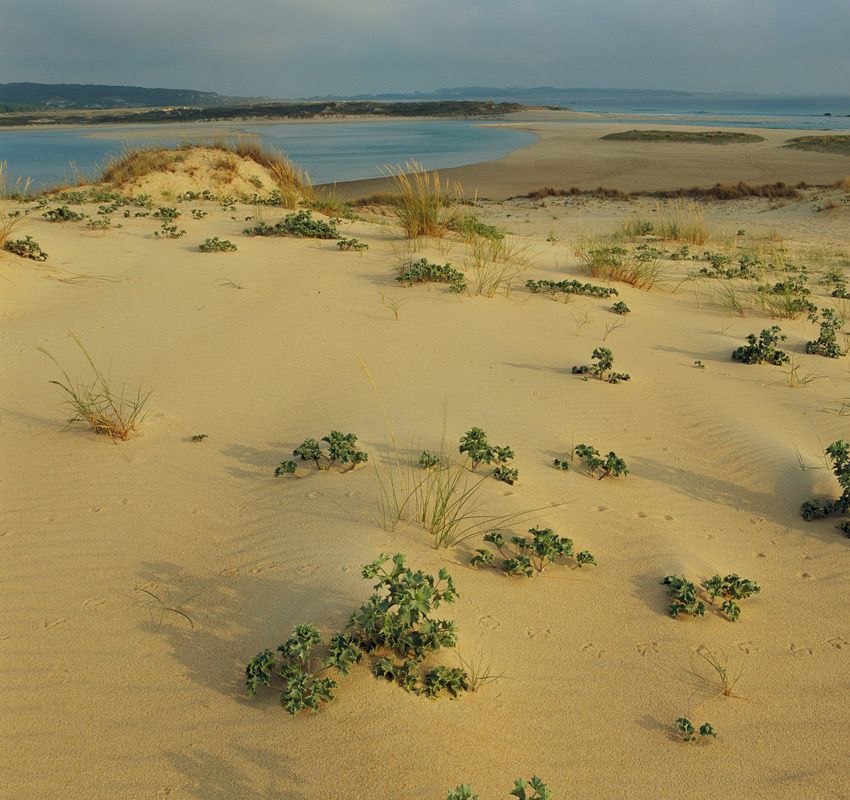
{"points": [[305, 47]]}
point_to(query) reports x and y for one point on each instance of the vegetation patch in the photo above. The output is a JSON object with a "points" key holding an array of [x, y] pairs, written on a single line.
{"points": [[62, 214], [762, 349], [25, 248], [688, 600], [595, 465], [301, 224], [839, 454], [568, 287], [475, 445], [341, 451], [216, 245], [424, 271], [694, 137], [529, 555], [601, 369], [836, 144]]}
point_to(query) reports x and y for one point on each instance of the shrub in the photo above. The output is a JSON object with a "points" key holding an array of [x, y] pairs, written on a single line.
{"points": [[762, 348], [474, 444], [469, 227], [687, 733], [611, 465], [62, 214], [826, 344], [601, 370], [687, 598], [423, 271], [168, 231], [26, 248], [566, 287], [351, 244], [839, 454], [526, 555], [341, 450], [534, 789], [787, 299], [216, 245], [166, 213], [300, 224], [621, 308], [95, 403]]}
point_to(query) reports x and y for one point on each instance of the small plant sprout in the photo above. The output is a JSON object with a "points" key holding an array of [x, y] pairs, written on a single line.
{"points": [[475, 445], [719, 663], [428, 460], [839, 454], [826, 344], [621, 308], [351, 244], [525, 556], [393, 303], [601, 369], [199, 437], [97, 404], [596, 465], [533, 789], [216, 245], [762, 349], [686, 732], [341, 451], [689, 600]]}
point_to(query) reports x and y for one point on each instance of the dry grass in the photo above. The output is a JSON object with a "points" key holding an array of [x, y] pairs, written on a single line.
{"points": [[137, 162], [682, 221], [618, 264], [494, 264], [725, 677], [422, 204], [96, 404], [8, 224]]}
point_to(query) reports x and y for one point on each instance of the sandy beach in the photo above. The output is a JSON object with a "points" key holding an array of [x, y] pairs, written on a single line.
{"points": [[140, 576]]}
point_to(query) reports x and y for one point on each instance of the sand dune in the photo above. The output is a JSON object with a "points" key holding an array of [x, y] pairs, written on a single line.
{"points": [[109, 695]]}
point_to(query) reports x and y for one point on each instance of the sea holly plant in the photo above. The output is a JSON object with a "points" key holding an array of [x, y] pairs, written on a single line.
{"points": [[341, 451], [62, 214], [762, 349], [686, 732], [621, 308], [395, 624], [689, 600], [351, 244], [301, 224], [826, 344], [568, 287], [474, 444], [527, 555], [601, 369], [839, 454], [595, 464], [26, 248], [429, 460], [424, 271], [532, 789], [168, 230], [216, 245]]}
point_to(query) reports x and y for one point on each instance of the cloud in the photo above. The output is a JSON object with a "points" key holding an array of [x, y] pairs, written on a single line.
{"points": [[303, 47]]}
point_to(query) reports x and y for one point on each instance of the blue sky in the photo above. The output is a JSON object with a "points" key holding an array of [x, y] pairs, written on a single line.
{"points": [[290, 48]]}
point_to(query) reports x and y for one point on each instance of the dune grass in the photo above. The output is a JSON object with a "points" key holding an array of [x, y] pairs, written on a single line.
{"points": [[677, 220], [95, 403], [694, 137], [836, 144], [422, 203]]}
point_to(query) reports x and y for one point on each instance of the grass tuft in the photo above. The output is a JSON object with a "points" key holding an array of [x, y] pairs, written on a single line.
{"points": [[422, 204]]}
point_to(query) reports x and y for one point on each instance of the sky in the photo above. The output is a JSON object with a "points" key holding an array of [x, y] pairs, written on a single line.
{"points": [[299, 48]]}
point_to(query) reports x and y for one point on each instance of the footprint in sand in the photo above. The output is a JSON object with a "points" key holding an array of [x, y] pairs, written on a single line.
{"points": [[838, 643], [589, 649], [347, 566], [533, 633], [313, 495], [747, 647], [646, 648], [263, 566], [489, 622], [49, 625], [601, 508], [93, 603], [805, 575], [307, 569], [796, 650], [642, 514]]}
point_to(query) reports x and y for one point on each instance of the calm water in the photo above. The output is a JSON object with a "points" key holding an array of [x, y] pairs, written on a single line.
{"points": [[329, 152]]}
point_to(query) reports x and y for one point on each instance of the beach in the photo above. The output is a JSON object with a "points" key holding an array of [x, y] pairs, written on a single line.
{"points": [[139, 577]]}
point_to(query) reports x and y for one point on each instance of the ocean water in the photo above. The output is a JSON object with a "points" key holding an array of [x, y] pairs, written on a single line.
{"points": [[330, 152]]}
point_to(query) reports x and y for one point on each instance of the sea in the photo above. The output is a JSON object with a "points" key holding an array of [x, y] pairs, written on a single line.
{"points": [[344, 151]]}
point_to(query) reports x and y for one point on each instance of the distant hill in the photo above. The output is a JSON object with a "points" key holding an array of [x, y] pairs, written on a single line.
{"points": [[32, 96]]}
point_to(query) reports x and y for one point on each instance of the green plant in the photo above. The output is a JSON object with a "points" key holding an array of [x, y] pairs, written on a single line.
{"points": [[719, 662], [300, 224], [839, 454], [100, 224], [685, 730], [699, 365], [569, 287], [62, 214], [611, 464], [534, 789], [198, 213], [428, 460], [474, 444], [621, 308], [351, 244], [422, 204], [166, 213], [199, 437], [341, 450], [216, 245], [25, 248], [826, 344], [423, 271], [601, 370], [96, 403], [688, 600], [526, 555], [168, 231], [762, 348]]}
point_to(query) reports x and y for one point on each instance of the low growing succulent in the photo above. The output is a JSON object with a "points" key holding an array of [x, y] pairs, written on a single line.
{"points": [[429, 460], [762, 349], [525, 556], [341, 451], [621, 308], [566, 287], [601, 370], [595, 464], [166, 213], [826, 344], [532, 789], [424, 271], [686, 731], [301, 224], [26, 248], [351, 244], [216, 245], [688, 599], [62, 214], [475, 445], [839, 454], [168, 231]]}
